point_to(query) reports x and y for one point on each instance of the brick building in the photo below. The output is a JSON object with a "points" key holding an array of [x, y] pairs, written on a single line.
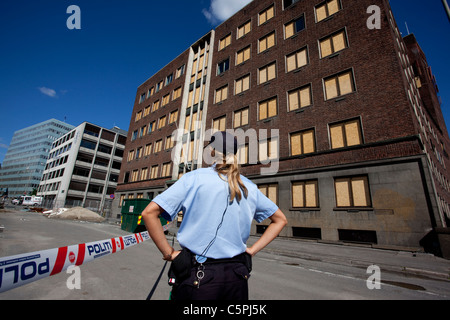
{"points": [[344, 114]]}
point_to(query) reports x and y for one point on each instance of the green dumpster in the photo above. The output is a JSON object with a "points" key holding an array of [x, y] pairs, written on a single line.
{"points": [[132, 215]]}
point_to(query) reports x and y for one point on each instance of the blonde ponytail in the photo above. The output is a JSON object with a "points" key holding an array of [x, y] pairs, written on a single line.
{"points": [[230, 168]]}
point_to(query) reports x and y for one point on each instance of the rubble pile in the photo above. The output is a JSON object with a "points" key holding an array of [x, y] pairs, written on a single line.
{"points": [[76, 213]]}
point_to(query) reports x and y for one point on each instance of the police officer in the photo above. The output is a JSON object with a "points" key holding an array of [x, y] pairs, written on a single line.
{"points": [[218, 206]]}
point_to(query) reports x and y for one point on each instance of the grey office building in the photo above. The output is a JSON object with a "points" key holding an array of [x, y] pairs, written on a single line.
{"points": [[27, 155]]}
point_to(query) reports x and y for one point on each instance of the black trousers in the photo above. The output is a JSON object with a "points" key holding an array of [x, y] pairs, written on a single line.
{"points": [[222, 281]]}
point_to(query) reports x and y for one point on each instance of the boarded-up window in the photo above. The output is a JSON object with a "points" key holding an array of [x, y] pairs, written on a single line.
{"points": [[299, 98], [326, 9], [266, 15], [297, 60], [243, 55], [225, 42], [339, 85], [244, 29], [221, 94], [346, 134], [219, 124], [267, 73], [242, 84], [268, 109], [267, 42], [302, 143], [332, 44], [305, 194], [352, 192], [241, 118], [268, 149], [270, 191]]}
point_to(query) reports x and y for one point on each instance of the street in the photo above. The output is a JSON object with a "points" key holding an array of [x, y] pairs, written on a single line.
{"points": [[286, 270]]}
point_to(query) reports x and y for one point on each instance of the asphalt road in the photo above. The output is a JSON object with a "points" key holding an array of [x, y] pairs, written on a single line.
{"points": [[277, 275]]}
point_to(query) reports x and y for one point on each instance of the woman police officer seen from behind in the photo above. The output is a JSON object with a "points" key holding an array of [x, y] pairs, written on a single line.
{"points": [[218, 206]]}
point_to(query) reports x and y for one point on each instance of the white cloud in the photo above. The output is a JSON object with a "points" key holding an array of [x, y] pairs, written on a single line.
{"points": [[48, 92], [221, 10]]}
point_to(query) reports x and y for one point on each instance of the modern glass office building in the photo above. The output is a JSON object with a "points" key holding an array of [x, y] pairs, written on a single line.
{"points": [[27, 155]]}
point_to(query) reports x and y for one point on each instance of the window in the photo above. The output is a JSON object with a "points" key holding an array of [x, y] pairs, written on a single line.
{"points": [[176, 93], [302, 142], [241, 117], [266, 15], [268, 149], [148, 150], [158, 146], [134, 176], [267, 73], [299, 98], [130, 155], [173, 116], [138, 116], [154, 172], [169, 143], [268, 109], [297, 60], [144, 174], [242, 154], [147, 111], [339, 85], [221, 94], [223, 66], [267, 42], [155, 105], [243, 55], [242, 84], [166, 169], [162, 122], [150, 92], [159, 86], [294, 27], [270, 191], [305, 194], [142, 98], [180, 72], [151, 127], [244, 29], [346, 134], [225, 42], [165, 100], [352, 192], [327, 9], [332, 44], [169, 79], [219, 124], [138, 153]]}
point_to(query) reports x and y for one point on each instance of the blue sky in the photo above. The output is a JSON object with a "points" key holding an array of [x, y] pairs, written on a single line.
{"points": [[48, 71]]}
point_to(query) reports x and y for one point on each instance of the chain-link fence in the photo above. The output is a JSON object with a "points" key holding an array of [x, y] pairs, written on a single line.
{"points": [[93, 205]]}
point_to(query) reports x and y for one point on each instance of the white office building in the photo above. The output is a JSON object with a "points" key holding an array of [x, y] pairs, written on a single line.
{"points": [[83, 168]]}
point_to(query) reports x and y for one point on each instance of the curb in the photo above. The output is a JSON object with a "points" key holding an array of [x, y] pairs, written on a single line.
{"points": [[364, 264]]}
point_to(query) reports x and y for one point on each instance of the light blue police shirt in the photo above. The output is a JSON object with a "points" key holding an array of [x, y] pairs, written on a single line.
{"points": [[203, 197]]}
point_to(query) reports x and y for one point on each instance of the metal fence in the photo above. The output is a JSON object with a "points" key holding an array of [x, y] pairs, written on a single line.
{"points": [[93, 205]]}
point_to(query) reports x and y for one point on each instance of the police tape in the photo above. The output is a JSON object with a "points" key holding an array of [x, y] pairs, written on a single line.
{"points": [[16, 271]]}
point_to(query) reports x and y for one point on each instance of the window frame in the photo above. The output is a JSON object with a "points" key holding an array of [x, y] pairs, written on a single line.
{"points": [[304, 183], [343, 124], [338, 88], [331, 37], [302, 134], [351, 194], [295, 31]]}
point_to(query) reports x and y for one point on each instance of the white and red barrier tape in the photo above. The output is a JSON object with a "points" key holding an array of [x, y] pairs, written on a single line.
{"points": [[16, 271]]}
